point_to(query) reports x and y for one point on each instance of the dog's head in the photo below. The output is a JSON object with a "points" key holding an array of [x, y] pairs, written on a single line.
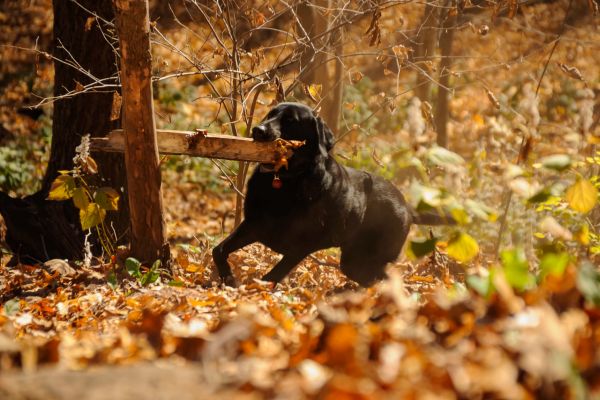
{"points": [[295, 121]]}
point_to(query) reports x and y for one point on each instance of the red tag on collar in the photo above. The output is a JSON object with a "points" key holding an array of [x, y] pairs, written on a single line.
{"points": [[276, 184]]}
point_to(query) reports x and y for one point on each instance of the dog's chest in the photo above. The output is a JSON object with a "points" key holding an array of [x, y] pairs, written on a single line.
{"points": [[289, 201], [300, 213]]}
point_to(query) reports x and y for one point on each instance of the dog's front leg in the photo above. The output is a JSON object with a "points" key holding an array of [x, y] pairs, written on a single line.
{"points": [[240, 237], [283, 267]]}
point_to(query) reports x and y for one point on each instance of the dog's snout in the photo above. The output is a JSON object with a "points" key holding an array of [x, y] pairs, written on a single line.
{"points": [[260, 133]]}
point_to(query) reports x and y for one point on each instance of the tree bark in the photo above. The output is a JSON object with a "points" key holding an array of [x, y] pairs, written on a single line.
{"points": [[442, 111], [332, 104], [425, 49], [39, 229], [87, 41], [309, 25], [148, 237], [313, 61]]}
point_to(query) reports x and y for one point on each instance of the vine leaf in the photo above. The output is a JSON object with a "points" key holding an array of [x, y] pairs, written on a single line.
{"points": [[91, 216], [107, 198], [62, 188]]}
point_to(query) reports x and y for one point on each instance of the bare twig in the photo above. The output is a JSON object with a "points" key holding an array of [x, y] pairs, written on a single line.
{"points": [[524, 142]]}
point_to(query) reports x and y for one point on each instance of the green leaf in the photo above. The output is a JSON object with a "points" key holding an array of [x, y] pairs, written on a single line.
{"points": [[107, 198], [11, 307], [423, 247], [582, 196], [481, 210], [443, 157], [133, 267], [149, 277], [176, 283], [425, 196], [540, 197], [557, 162], [80, 198], [62, 188], [516, 269], [588, 282], [112, 279], [189, 248], [152, 275], [91, 216], [482, 284], [462, 247], [553, 264]]}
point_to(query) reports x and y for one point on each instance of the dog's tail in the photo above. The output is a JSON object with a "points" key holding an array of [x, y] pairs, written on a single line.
{"points": [[432, 218]]}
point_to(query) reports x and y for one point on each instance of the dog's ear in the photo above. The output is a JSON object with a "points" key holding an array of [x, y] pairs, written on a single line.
{"points": [[324, 136]]}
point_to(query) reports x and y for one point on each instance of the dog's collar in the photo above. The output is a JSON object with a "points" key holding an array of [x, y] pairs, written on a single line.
{"points": [[279, 176], [276, 183]]}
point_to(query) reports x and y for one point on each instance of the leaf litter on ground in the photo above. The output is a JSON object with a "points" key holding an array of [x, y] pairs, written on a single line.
{"points": [[419, 333]]}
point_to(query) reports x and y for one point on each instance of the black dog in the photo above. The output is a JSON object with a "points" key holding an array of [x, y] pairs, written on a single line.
{"points": [[319, 204]]}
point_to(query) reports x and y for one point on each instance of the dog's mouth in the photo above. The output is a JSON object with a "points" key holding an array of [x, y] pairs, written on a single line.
{"points": [[267, 168], [283, 149]]}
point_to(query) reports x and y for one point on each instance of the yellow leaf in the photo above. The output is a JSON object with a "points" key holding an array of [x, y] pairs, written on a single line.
{"points": [[91, 216], [90, 166], [193, 267], [62, 188], [80, 199], [462, 247], [582, 196], [593, 139], [583, 235], [314, 92], [460, 216], [478, 120], [200, 302]]}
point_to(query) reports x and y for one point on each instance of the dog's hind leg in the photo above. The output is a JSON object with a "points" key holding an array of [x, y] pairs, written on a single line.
{"points": [[240, 237], [364, 260], [363, 268], [284, 266]]}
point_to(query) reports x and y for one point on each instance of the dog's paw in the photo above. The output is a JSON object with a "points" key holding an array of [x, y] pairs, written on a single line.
{"points": [[229, 280]]}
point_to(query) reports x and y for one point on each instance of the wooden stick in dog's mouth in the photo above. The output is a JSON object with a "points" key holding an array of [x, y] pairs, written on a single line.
{"points": [[284, 150]]}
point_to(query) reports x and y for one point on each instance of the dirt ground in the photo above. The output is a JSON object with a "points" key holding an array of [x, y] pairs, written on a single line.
{"points": [[158, 381]]}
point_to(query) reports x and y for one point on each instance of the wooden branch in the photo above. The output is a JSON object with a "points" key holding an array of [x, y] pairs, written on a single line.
{"points": [[202, 144]]}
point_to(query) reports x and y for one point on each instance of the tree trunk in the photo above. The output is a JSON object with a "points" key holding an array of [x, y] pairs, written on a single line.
{"points": [[39, 229], [88, 113], [148, 238], [309, 25], [332, 103], [425, 49], [313, 62], [442, 111]]}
